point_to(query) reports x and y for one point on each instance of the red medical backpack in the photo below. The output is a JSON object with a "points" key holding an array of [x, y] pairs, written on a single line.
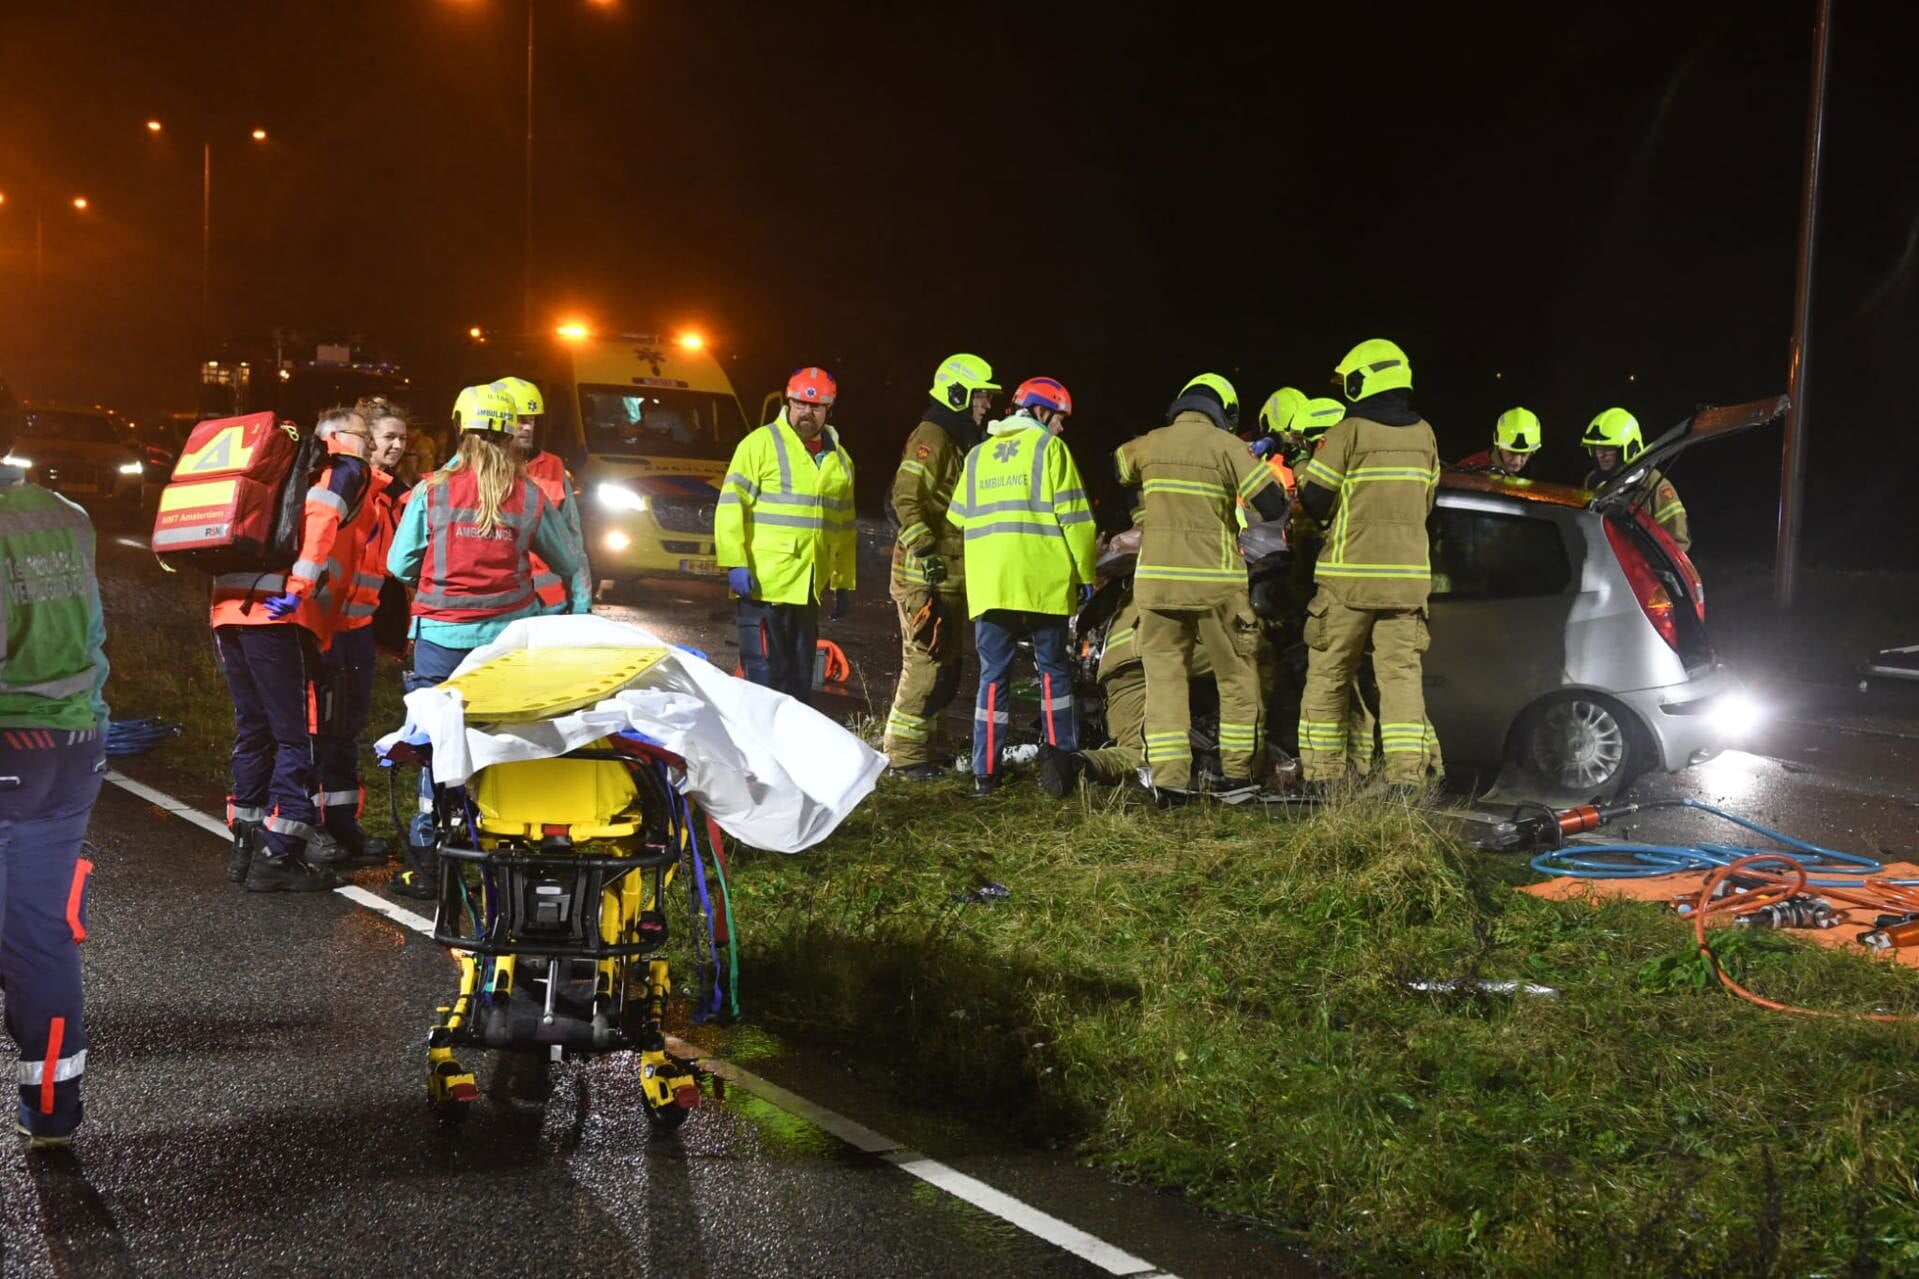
{"points": [[228, 507]]}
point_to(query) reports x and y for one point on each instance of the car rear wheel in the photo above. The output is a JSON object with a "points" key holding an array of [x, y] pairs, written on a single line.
{"points": [[1580, 744]]}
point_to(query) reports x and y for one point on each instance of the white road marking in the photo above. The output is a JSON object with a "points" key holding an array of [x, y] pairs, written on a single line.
{"points": [[187, 812], [380, 905], [1016, 1212]]}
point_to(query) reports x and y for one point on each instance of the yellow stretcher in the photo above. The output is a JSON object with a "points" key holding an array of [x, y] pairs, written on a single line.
{"points": [[553, 875]]}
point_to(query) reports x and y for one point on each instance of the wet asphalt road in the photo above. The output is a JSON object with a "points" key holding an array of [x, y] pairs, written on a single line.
{"points": [[255, 1103], [255, 1097]]}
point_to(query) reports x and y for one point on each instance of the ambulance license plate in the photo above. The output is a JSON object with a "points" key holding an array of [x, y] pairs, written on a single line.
{"points": [[704, 568]]}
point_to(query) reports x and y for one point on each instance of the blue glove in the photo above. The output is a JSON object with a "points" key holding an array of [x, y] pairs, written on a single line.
{"points": [[281, 606], [1265, 446], [842, 600], [740, 582], [1085, 592]]}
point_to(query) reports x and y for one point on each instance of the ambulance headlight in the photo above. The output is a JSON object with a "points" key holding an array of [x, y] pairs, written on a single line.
{"points": [[617, 497]]}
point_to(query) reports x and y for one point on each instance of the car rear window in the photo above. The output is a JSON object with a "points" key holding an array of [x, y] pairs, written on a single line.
{"points": [[1484, 555]]}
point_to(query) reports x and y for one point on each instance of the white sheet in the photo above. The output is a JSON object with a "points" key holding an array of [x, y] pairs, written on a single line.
{"points": [[773, 773]]}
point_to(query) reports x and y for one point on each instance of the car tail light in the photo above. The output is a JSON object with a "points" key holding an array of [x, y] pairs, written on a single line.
{"points": [[1687, 573], [1646, 586]]}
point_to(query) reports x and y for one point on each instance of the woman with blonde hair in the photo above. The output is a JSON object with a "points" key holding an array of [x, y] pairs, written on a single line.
{"points": [[465, 542]]}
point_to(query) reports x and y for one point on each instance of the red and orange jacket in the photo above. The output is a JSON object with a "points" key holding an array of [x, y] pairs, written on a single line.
{"points": [[549, 473], [338, 496]]}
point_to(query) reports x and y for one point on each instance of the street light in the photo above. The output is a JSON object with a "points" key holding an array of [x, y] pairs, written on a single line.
{"points": [[79, 203], [206, 221]]}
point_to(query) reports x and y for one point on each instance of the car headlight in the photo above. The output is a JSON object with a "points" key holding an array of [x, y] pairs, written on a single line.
{"points": [[11, 459], [131, 468], [1735, 715], [617, 497]]}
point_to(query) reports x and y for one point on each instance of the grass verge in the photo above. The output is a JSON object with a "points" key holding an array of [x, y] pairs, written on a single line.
{"points": [[1217, 1001]]}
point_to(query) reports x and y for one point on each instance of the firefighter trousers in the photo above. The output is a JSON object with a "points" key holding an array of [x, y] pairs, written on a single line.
{"points": [[1125, 694], [1336, 637], [1229, 633], [269, 676], [930, 658], [49, 779]]}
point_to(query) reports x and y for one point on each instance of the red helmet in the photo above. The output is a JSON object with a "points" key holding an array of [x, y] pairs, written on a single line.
{"points": [[813, 385], [1044, 393]]}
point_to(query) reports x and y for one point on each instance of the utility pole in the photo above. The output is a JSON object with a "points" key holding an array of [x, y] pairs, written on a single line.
{"points": [[526, 222], [1792, 466], [206, 240]]}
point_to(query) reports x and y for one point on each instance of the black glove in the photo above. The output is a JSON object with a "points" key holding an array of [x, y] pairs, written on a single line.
{"points": [[934, 567]]}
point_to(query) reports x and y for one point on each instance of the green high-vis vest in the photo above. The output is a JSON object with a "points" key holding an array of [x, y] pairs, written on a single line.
{"points": [[50, 670], [1028, 526]]}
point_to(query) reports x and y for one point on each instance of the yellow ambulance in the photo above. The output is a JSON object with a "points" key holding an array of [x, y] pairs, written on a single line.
{"points": [[646, 424]]}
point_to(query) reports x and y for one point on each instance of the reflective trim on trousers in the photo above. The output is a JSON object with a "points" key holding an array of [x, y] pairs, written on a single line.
{"points": [[283, 826], [28, 1073]]}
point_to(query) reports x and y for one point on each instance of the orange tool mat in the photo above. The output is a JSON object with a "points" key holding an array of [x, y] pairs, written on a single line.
{"points": [[1664, 888]]}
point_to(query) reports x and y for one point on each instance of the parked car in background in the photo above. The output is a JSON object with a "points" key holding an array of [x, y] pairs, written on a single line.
{"points": [[78, 451]]}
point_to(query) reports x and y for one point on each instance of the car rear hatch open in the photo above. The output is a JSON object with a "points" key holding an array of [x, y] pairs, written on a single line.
{"points": [[1663, 578]]}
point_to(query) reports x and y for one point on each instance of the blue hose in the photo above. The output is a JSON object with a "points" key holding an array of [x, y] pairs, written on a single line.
{"points": [[1645, 861], [138, 736]]}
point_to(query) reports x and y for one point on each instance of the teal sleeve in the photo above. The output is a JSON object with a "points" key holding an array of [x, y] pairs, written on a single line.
{"points": [[409, 543], [580, 586]]}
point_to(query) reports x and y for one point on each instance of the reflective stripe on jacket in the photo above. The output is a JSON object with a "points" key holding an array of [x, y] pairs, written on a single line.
{"points": [[923, 487], [339, 493], [1028, 527], [1376, 553], [349, 592], [787, 515], [548, 472], [468, 575], [1192, 477]]}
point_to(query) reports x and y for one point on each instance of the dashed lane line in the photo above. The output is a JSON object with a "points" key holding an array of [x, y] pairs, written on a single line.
{"points": [[1015, 1212]]}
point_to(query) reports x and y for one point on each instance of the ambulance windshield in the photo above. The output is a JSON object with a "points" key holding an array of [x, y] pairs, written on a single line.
{"points": [[650, 421]]}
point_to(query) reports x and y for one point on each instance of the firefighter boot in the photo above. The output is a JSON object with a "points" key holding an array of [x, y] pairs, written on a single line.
{"points": [[247, 838]]}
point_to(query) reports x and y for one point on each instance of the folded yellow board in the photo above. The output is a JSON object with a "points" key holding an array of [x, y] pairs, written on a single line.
{"points": [[533, 684]]}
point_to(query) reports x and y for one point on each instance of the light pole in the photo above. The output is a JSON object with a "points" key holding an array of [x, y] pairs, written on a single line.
{"points": [[206, 221], [1792, 464], [80, 204], [526, 180]]}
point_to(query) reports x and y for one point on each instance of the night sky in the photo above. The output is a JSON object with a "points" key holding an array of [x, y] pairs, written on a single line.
{"points": [[1562, 207]]}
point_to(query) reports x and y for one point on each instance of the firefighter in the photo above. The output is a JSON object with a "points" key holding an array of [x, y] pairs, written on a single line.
{"points": [[1191, 583], [267, 632], [1277, 440], [1515, 440], [345, 600], [1613, 441], [52, 759], [785, 532], [1122, 686], [1029, 539], [1371, 485], [928, 581], [547, 470], [465, 540]]}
